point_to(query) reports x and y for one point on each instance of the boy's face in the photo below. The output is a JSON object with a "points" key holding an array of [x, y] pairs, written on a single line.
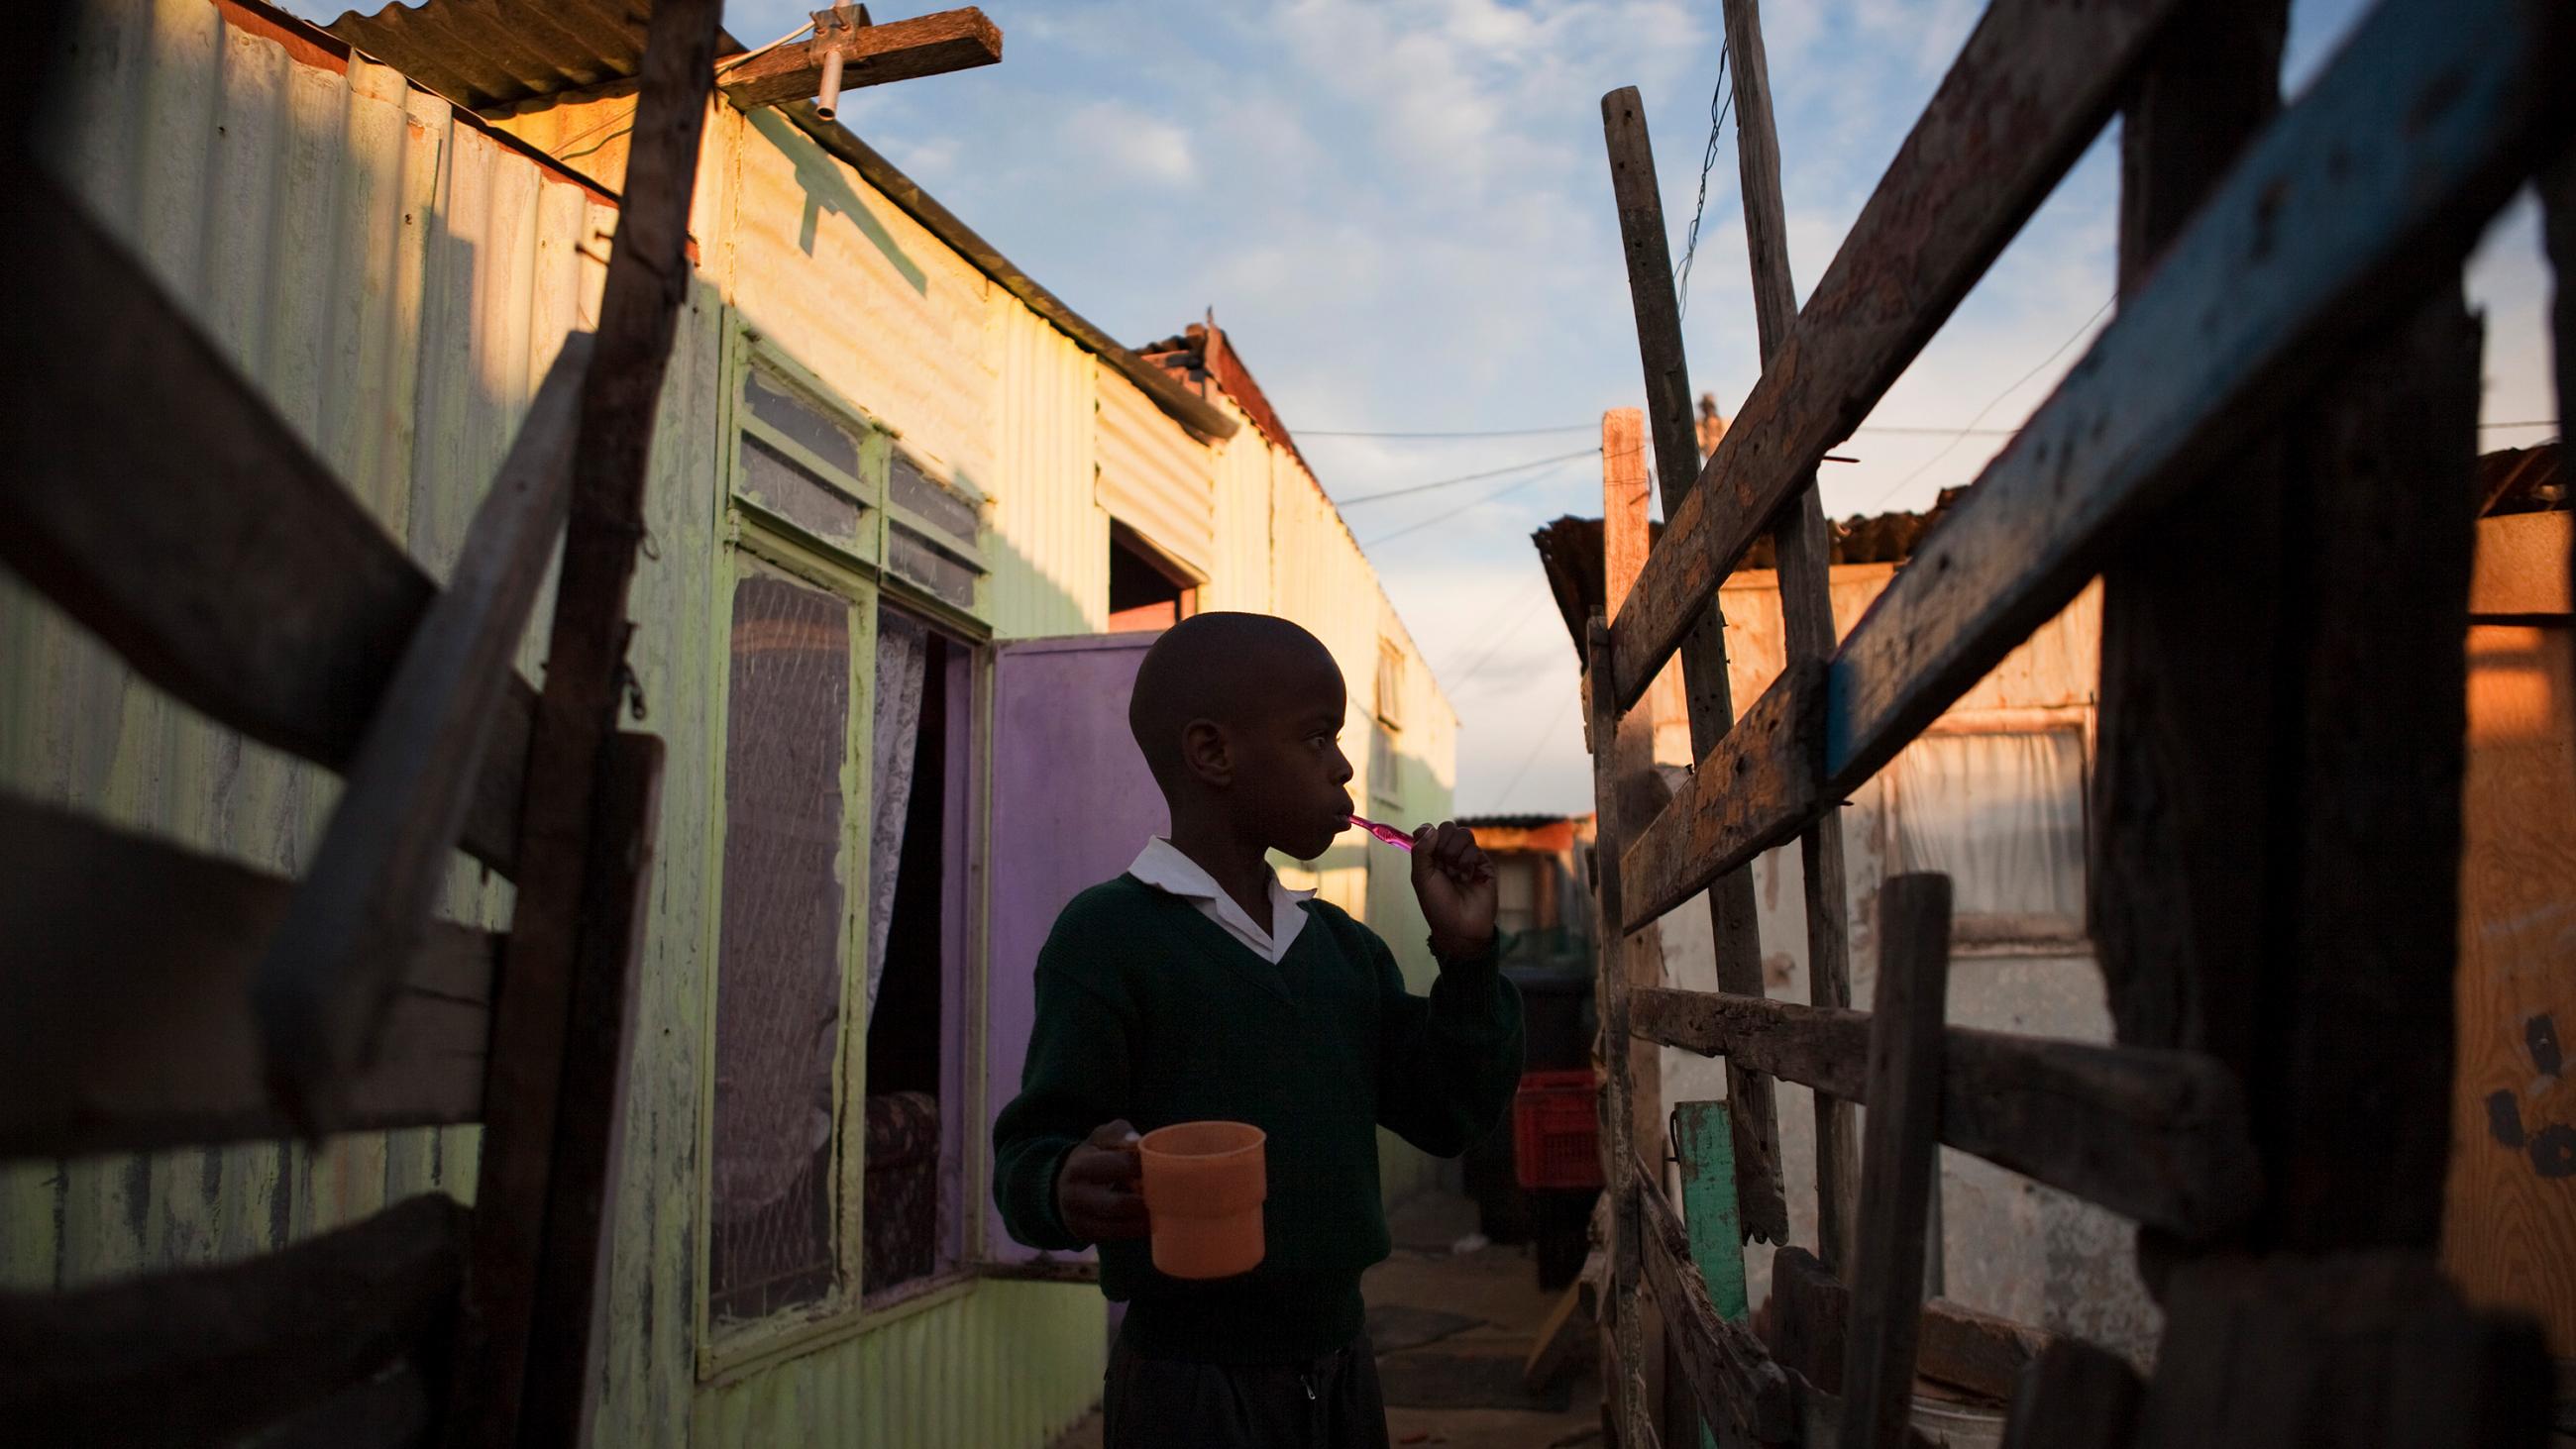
{"points": [[1290, 776]]}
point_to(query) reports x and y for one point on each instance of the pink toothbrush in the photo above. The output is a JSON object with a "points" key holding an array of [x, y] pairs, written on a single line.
{"points": [[1387, 833]]}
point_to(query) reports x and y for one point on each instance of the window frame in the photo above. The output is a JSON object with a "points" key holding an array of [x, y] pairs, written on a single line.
{"points": [[753, 537], [1984, 933]]}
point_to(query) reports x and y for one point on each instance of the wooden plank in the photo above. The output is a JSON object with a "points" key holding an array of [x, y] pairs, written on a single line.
{"points": [[1806, 1318], [2361, 1349], [2156, 1134], [226, 564], [1899, 1159], [2521, 568], [327, 981], [2032, 87], [2436, 112], [1732, 1377], [1624, 1344], [566, 1362], [125, 1011], [648, 280], [1707, 694], [1625, 506], [2077, 1394], [1704, 1145], [871, 55], [1806, 603], [1559, 1335], [205, 1355], [1979, 1352], [1809, 1307], [2509, 1220], [2179, 890], [2349, 1087], [2128, 424], [1753, 791]]}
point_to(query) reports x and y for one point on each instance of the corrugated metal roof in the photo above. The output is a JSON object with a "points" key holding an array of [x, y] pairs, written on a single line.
{"points": [[487, 54]]}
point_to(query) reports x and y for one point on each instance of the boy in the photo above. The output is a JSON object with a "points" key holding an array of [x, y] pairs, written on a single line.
{"points": [[1198, 987]]}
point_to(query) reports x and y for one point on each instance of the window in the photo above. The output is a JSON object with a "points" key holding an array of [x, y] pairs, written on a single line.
{"points": [[1146, 589], [804, 467], [838, 1142], [1386, 766], [1386, 777], [783, 927], [2003, 816], [934, 535], [1390, 685]]}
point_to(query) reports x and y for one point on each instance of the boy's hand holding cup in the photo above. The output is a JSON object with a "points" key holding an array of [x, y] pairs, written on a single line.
{"points": [[1454, 880], [1097, 1190]]}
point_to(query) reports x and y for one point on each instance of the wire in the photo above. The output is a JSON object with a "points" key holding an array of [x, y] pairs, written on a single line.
{"points": [[1536, 746], [1507, 634], [1955, 439], [1503, 492], [760, 50], [1720, 101], [1476, 433], [1348, 503]]}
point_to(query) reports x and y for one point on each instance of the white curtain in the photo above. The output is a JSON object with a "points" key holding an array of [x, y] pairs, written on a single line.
{"points": [[903, 649], [2002, 815]]}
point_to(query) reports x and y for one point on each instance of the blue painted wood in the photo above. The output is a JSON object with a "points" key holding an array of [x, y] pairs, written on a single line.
{"points": [[1704, 1143], [2377, 181]]}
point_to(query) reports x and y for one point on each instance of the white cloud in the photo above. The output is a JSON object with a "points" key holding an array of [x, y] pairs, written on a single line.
{"points": [[1132, 144]]}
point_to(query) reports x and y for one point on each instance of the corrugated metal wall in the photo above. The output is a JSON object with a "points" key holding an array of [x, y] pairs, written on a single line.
{"points": [[845, 283], [991, 1370], [1154, 477], [1240, 578], [395, 282], [1049, 540]]}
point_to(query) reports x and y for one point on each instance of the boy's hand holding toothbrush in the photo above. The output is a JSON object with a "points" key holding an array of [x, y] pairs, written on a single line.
{"points": [[1454, 880]]}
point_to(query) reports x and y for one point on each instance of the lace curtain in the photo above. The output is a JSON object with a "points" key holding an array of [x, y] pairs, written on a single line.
{"points": [[903, 653]]}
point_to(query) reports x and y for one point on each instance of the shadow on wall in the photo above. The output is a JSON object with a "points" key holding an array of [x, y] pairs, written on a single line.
{"points": [[827, 188], [396, 294]]}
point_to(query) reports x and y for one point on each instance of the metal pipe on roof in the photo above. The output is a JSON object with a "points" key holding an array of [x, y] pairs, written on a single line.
{"points": [[828, 104]]}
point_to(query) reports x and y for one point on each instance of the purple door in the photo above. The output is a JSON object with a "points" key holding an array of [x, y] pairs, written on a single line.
{"points": [[1072, 804]]}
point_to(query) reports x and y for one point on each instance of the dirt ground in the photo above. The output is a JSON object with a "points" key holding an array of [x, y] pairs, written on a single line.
{"points": [[1452, 1330]]}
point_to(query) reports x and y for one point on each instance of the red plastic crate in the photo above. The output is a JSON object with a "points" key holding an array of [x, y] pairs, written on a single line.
{"points": [[1556, 1131]]}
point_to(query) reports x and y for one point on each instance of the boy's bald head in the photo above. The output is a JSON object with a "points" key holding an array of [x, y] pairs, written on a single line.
{"points": [[1226, 668]]}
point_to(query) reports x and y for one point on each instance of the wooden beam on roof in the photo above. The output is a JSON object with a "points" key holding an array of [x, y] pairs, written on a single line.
{"points": [[871, 55]]}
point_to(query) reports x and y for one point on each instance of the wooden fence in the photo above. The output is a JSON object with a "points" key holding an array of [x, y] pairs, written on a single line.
{"points": [[2267, 455]]}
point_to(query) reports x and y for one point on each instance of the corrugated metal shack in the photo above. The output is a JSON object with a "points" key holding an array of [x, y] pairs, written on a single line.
{"points": [[884, 454]]}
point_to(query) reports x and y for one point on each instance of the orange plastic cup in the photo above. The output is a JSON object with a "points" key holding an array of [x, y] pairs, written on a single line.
{"points": [[1204, 1186]]}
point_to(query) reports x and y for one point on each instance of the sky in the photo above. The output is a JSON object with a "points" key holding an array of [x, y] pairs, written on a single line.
{"points": [[1400, 212]]}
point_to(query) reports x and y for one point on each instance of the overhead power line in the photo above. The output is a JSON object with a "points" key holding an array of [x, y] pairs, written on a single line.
{"points": [[1467, 433], [1385, 494]]}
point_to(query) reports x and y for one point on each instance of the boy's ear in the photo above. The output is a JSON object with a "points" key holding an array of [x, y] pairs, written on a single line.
{"points": [[1206, 753]]}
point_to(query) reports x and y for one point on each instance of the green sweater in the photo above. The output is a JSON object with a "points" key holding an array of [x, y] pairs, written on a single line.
{"points": [[1149, 1011]]}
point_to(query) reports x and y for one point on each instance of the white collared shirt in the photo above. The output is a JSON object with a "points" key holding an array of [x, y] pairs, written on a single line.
{"points": [[1162, 865]]}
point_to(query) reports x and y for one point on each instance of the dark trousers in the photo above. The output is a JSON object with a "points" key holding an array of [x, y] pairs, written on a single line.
{"points": [[1171, 1403]]}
